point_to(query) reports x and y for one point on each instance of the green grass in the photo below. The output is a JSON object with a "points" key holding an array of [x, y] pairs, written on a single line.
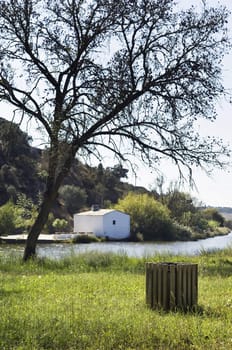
{"points": [[97, 301]]}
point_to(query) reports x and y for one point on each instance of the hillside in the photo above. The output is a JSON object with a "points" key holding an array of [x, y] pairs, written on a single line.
{"points": [[23, 171], [18, 164]]}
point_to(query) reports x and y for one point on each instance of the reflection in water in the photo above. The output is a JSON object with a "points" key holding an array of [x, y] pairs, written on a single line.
{"points": [[56, 251]]}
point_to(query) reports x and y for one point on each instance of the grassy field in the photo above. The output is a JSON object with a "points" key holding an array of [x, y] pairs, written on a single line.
{"points": [[97, 301]]}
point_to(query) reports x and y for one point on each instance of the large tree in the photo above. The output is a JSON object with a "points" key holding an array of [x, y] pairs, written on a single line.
{"points": [[127, 76]]}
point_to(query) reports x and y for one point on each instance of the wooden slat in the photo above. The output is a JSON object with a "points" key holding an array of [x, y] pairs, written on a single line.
{"points": [[155, 286], [178, 286], [160, 285], [149, 283], [189, 285], [172, 287], [165, 284], [194, 284], [184, 286]]}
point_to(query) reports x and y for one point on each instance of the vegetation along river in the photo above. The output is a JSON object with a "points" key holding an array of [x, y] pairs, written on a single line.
{"points": [[56, 251]]}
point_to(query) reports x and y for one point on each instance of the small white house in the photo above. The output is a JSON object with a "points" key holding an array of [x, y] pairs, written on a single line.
{"points": [[109, 223]]}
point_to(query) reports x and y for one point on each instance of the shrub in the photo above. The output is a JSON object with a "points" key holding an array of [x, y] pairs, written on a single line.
{"points": [[7, 219], [213, 214], [85, 238], [60, 224], [149, 218], [48, 227], [181, 232]]}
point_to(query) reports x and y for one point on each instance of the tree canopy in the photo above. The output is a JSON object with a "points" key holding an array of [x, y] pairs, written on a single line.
{"points": [[131, 77]]}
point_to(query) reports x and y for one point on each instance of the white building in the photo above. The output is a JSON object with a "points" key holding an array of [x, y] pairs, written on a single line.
{"points": [[109, 223]]}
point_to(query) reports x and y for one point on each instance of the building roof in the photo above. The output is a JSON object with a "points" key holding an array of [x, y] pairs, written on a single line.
{"points": [[99, 212]]}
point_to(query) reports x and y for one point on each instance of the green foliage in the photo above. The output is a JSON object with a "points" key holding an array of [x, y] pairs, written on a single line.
{"points": [[7, 219], [48, 227], [27, 212], [213, 224], [213, 214], [14, 142], [148, 216], [74, 197], [181, 232], [60, 224], [198, 222], [18, 167], [179, 203], [186, 212], [17, 218]]}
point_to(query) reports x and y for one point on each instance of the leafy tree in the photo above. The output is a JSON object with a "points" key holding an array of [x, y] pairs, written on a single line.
{"points": [[148, 216], [197, 222], [74, 198], [179, 203], [119, 171], [127, 76], [107, 185]]}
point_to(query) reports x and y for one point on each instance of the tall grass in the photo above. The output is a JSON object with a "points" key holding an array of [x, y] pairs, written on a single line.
{"points": [[96, 301]]}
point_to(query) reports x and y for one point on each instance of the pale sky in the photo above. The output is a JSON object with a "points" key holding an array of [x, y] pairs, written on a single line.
{"points": [[215, 190]]}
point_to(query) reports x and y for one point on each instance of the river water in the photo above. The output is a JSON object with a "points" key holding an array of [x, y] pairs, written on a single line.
{"points": [[57, 251]]}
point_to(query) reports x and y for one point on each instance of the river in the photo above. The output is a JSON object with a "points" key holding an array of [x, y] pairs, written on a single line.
{"points": [[57, 251]]}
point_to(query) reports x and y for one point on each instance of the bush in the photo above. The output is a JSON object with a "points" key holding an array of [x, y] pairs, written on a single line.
{"points": [[213, 214], [213, 225], [181, 232], [199, 223], [60, 224], [85, 238], [7, 219], [149, 218], [26, 213]]}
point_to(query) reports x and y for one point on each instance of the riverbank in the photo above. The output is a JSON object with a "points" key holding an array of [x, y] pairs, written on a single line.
{"points": [[98, 302], [51, 238], [219, 231], [88, 238]]}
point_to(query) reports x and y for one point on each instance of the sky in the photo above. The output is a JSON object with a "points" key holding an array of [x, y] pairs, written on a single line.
{"points": [[215, 190]]}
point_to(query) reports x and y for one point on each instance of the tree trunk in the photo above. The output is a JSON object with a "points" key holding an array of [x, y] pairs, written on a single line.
{"points": [[54, 182], [30, 247]]}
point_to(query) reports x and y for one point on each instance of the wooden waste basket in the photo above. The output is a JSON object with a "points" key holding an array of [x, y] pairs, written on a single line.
{"points": [[171, 286]]}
